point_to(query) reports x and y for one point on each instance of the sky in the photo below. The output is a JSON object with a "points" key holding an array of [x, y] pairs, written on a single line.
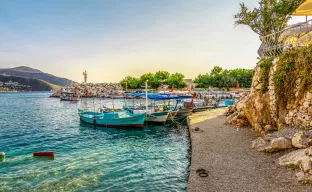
{"points": [[113, 39]]}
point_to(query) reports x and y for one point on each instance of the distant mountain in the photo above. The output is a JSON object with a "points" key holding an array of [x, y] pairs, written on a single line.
{"points": [[29, 72], [27, 84]]}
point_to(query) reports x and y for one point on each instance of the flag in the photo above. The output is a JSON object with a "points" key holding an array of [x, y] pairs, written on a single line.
{"points": [[172, 88]]}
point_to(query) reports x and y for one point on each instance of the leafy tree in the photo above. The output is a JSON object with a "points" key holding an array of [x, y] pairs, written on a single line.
{"points": [[160, 78], [271, 16], [216, 70], [225, 78], [176, 80], [162, 75], [130, 82], [155, 83], [147, 77]]}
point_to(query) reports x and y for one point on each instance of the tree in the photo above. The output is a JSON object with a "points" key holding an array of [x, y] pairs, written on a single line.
{"points": [[147, 77], [176, 80], [216, 70], [270, 17], [160, 78], [162, 75], [225, 78], [130, 82]]}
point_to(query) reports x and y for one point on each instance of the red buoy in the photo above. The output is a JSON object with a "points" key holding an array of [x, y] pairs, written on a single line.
{"points": [[44, 154]]}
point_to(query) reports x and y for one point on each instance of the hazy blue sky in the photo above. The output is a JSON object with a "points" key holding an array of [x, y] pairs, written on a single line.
{"points": [[112, 39]]}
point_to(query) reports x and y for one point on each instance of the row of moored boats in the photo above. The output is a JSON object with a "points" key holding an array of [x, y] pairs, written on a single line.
{"points": [[158, 108]]}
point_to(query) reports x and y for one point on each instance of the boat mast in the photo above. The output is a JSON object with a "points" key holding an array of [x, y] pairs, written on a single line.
{"points": [[146, 101]]}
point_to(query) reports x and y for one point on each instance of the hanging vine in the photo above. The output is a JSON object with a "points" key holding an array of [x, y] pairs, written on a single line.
{"points": [[265, 67], [293, 73]]}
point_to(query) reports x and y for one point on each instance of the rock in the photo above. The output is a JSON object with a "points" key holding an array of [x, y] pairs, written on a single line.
{"points": [[310, 111], [306, 104], [308, 96], [299, 121], [258, 128], [268, 128], [278, 144], [304, 177], [306, 164], [291, 113], [259, 86], [241, 123], [297, 159], [259, 144], [308, 151], [299, 140]]}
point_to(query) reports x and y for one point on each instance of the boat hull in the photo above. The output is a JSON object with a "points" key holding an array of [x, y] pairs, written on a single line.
{"points": [[69, 99], [199, 109], [99, 120], [184, 112], [157, 117]]}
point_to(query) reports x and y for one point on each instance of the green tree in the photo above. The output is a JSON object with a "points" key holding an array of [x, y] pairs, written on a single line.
{"points": [[271, 16], [176, 80], [162, 75], [216, 70], [203, 81], [225, 78], [160, 78], [130, 82]]}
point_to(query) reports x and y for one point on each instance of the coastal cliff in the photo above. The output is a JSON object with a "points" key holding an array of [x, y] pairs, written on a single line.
{"points": [[279, 108], [281, 94]]}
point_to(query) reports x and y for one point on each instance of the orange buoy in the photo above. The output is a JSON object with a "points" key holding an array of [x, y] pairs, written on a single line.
{"points": [[44, 154]]}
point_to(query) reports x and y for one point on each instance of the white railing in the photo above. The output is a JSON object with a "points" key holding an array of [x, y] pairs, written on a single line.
{"points": [[294, 36]]}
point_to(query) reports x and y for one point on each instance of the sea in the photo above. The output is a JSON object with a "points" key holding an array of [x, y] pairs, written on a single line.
{"points": [[87, 158]]}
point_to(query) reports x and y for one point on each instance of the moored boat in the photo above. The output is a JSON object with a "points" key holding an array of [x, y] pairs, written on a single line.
{"points": [[113, 119], [69, 96], [157, 117]]}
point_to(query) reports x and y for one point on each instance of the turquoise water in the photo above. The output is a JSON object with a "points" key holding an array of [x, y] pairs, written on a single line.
{"points": [[155, 158]]}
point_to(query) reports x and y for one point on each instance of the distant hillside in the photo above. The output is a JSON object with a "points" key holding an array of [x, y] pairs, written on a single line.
{"points": [[36, 84], [29, 72]]}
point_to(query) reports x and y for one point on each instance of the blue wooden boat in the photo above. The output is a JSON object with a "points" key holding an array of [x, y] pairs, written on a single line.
{"points": [[112, 119]]}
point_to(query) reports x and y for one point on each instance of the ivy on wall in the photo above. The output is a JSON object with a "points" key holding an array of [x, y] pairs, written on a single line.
{"points": [[265, 67], [294, 67]]}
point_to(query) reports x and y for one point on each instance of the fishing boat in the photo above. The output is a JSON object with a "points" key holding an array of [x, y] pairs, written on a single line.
{"points": [[112, 119], [152, 117], [197, 106], [160, 110], [69, 96]]}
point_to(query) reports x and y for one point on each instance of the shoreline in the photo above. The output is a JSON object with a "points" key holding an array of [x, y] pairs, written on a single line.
{"points": [[225, 154]]}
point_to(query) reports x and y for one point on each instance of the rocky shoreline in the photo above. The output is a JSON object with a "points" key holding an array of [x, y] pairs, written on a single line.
{"points": [[93, 89], [223, 158]]}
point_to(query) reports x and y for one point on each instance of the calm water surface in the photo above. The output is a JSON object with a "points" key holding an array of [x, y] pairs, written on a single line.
{"points": [[155, 158]]}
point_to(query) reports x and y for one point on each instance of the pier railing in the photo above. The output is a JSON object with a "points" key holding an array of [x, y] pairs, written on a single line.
{"points": [[292, 37]]}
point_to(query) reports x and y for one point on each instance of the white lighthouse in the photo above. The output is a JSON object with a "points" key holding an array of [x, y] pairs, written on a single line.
{"points": [[85, 74]]}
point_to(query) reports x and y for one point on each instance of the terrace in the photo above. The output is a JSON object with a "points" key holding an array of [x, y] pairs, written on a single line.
{"points": [[292, 37]]}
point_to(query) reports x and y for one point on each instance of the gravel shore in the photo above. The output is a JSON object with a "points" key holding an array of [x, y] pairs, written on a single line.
{"points": [[225, 154]]}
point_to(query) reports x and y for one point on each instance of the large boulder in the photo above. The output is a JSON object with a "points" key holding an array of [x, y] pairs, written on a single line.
{"points": [[259, 144], [257, 109], [300, 140], [297, 159], [304, 177], [271, 144], [278, 144]]}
